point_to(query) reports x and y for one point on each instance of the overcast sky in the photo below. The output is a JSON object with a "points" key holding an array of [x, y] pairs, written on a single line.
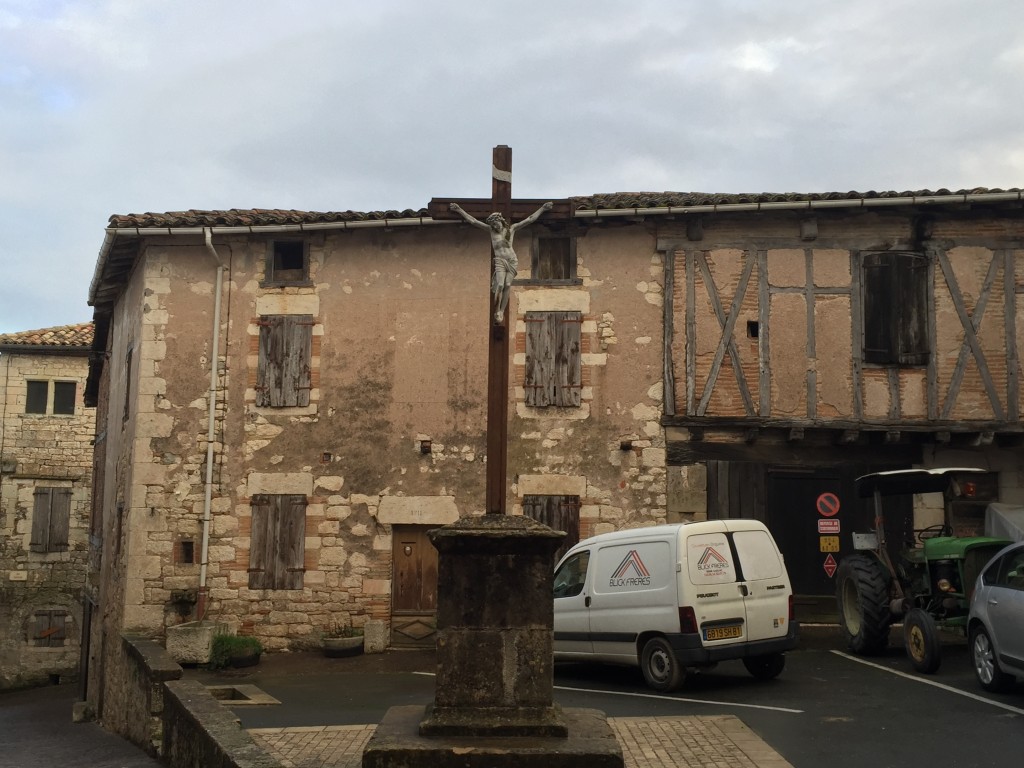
{"points": [[127, 106]]}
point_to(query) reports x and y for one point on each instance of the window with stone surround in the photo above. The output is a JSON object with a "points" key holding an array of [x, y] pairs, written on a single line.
{"points": [[562, 513], [51, 517], [48, 629], [895, 308], [50, 397], [277, 541], [287, 263], [284, 371], [554, 374]]}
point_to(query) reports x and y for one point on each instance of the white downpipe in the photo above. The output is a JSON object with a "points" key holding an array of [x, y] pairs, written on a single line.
{"points": [[211, 421]]}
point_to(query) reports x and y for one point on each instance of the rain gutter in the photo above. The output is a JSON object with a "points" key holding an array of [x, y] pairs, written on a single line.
{"points": [[804, 205], [210, 425]]}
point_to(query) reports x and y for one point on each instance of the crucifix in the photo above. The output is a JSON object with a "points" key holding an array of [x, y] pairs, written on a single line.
{"points": [[497, 214]]}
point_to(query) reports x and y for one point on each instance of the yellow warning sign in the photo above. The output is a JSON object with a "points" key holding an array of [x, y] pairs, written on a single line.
{"points": [[829, 543]]}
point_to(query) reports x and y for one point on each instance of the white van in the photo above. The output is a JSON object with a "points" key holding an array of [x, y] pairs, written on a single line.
{"points": [[670, 597]]}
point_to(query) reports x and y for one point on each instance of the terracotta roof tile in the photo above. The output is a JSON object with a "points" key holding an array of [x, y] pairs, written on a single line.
{"points": [[255, 217], [683, 199], [80, 335]]}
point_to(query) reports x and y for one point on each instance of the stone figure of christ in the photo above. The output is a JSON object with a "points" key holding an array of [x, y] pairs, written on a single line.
{"points": [[505, 261]]}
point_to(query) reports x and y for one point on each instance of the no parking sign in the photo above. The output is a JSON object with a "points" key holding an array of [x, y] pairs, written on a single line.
{"points": [[828, 504]]}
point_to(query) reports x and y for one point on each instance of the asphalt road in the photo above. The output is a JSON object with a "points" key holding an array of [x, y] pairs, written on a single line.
{"points": [[827, 708]]}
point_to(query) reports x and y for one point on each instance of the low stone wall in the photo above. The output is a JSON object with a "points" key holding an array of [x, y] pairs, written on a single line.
{"points": [[177, 720], [199, 731], [136, 714]]}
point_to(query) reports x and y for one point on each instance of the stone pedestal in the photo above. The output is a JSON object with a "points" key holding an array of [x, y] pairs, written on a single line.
{"points": [[493, 702]]}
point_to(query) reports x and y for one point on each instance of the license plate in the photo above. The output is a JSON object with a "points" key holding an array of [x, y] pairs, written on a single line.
{"points": [[723, 633]]}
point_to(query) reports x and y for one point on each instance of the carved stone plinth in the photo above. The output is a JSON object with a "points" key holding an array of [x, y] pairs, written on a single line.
{"points": [[493, 701]]}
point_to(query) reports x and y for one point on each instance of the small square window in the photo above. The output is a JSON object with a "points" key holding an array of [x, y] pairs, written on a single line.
{"points": [[64, 397], [287, 262], [37, 393], [554, 259], [49, 629]]}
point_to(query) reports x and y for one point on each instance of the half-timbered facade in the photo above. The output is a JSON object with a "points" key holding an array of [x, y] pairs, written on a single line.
{"points": [[290, 400], [45, 479]]}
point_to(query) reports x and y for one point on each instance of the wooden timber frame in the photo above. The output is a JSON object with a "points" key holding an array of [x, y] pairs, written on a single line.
{"points": [[753, 432]]}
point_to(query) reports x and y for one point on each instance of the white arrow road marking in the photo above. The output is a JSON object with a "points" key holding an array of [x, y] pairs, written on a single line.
{"points": [[917, 679], [664, 698]]}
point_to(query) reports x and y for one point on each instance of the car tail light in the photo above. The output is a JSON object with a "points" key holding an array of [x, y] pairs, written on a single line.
{"points": [[687, 620], [792, 612]]}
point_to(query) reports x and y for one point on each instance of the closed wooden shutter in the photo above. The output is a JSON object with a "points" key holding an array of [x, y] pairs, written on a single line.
{"points": [[51, 518], [562, 513], [284, 372], [49, 629], [260, 538], [553, 363], [277, 542], [895, 288], [290, 564]]}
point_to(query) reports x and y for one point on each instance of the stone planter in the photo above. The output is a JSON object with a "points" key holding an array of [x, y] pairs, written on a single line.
{"points": [[338, 647], [190, 643]]}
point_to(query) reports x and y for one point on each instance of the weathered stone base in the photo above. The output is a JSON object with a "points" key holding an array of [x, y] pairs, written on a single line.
{"points": [[444, 722], [397, 743]]}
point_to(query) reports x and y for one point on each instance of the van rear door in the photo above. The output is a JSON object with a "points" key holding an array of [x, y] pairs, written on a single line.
{"points": [[765, 583], [714, 588]]}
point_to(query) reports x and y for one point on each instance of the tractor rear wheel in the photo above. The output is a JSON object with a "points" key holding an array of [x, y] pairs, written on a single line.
{"points": [[922, 639], [862, 591]]}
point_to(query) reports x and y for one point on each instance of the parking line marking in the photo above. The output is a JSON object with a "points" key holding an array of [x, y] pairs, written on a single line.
{"points": [[943, 686], [666, 698]]}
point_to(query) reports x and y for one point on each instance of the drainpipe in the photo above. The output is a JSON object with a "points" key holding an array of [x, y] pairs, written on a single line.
{"points": [[210, 425]]}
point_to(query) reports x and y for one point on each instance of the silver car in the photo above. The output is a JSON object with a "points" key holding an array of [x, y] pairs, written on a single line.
{"points": [[996, 621]]}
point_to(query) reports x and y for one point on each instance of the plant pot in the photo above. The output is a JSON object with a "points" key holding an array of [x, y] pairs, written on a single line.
{"points": [[244, 659], [338, 647]]}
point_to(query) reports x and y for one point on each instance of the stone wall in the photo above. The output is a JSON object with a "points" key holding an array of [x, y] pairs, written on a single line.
{"points": [[399, 350], [41, 451]]}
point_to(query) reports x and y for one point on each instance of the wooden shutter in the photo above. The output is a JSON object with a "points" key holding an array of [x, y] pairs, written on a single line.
{"points": [[277, 542], [260, 538], [60, 518], [554, 258], [40, 538], [283, 376], [912, 302], [291, 553], [878, 307], [562, 513], [895, 308], [49, 629], [553, 363]]}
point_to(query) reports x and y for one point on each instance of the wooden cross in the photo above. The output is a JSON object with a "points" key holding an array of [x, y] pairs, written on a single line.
{"points": [[498, 346]]}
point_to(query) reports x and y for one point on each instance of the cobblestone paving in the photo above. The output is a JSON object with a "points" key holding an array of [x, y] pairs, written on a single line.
{"points": [[720, 741]]}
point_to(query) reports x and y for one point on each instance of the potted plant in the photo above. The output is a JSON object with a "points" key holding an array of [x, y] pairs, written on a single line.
{"points": [[342, 641], [235, 651]]}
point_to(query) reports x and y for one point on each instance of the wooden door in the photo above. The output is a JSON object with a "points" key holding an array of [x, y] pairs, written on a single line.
{"points": [[414, 587]]}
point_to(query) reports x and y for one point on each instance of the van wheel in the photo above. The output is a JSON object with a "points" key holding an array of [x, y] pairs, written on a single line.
{"points": [[766, 667], [661, 669]]}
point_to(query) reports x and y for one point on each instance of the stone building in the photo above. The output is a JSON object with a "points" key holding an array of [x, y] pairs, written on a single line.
{"points": [[288, 401], [45, 479]]}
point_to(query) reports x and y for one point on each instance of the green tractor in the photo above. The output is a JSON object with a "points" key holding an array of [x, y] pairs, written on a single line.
{"points": [[927, 585]]}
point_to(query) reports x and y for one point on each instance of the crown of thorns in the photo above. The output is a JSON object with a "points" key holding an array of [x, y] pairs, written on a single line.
{"points": [[495, 217]]}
